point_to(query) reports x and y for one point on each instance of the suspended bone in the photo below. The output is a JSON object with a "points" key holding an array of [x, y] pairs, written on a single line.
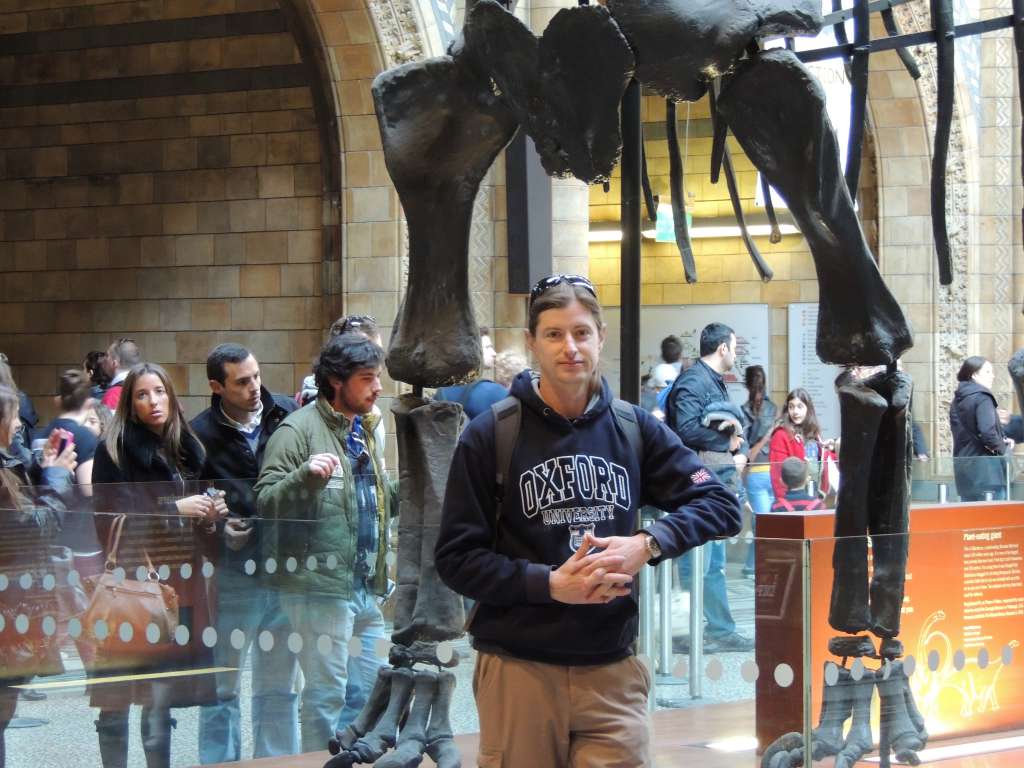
{"points": [[892, 29], [943, 23], [440, 743], [408, 752], [769, 209], [650, 199], [683, 44], [564, 87], [718, 133], [734, 193], [777, 112], [425, 609], [441, 127], [858, 92], [678, 194]]}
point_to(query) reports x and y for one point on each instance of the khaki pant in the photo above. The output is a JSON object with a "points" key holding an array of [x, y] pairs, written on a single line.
{"points": [[535, 715]]}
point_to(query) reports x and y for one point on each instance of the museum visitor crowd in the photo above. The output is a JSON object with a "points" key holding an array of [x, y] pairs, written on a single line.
{"points": [[264, 522]]}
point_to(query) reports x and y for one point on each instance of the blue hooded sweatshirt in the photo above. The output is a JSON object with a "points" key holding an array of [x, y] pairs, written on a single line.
{"points": [[567, 477]]}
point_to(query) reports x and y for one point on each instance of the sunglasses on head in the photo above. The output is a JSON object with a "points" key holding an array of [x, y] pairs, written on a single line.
{"points": [[552, 280]]}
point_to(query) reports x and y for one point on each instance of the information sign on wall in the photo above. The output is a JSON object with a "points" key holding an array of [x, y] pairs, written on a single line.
{"points": [[807, 371]]}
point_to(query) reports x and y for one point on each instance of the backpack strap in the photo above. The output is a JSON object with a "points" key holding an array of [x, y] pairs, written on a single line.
{"points": [[785, 504], [508, 416], [626, 418]]}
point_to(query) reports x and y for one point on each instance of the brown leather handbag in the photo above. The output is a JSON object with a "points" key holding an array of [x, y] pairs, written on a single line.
{"points": [[130, 621]]}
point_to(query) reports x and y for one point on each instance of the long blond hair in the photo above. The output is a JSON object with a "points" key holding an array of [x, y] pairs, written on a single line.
{"points": [[175, 429], [10, 497]]}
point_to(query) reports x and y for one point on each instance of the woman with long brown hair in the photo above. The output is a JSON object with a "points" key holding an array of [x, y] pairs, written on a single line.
{"points": [[798, 434], [28, 521], [154, 458]]}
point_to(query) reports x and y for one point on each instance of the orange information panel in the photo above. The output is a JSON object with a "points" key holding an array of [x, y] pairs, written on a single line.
{"points": [[962, 619]]}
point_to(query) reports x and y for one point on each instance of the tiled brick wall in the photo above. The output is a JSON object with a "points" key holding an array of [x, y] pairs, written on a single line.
{"points": [[182, 220]]}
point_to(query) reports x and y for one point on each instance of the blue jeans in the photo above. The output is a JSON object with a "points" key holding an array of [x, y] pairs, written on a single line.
{"points": [[716, 600], [761, 498], [362, 669], [326, 624], [244, 604]]}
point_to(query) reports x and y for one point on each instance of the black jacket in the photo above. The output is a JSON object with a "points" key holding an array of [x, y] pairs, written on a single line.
{"points": [[694, 389], [978, 445], [232, 465], [566, 477]]}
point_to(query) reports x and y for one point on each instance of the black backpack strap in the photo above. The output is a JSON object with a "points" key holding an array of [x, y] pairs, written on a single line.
{"points": [[625, 416], [508, 415]]}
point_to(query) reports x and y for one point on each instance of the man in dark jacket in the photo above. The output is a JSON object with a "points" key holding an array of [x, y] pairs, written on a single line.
{"points": [[234, 430], [981, 449], [697, 387]]}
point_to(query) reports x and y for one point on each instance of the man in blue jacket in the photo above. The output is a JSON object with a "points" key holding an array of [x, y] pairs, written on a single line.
{"points": [[700, 385], [234, 430], [550, 553]]}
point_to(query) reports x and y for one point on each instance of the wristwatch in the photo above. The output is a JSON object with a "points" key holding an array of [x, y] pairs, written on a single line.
{"points": [[653, 547]]}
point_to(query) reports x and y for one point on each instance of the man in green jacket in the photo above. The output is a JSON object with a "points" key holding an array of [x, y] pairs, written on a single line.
{"points": [[322, 481]]}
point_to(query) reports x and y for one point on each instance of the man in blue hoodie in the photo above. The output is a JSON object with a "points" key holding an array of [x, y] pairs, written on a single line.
{"points": [[550, 553]]}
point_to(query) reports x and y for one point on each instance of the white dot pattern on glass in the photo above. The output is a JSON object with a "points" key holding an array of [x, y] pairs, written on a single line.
{"points": [[25, 582], [714, 669], [100, 630], [1007, 655], [291, 565], [49, 626], [141, 574], [380, 647], [749, 671], [857, 670], [311, 563], [271, 565], [126, 632], [355, 646], [445, 651], [332, 562], [390, 559], [119, 575], [49, 582], [983, 658], [74, 628], [21, 624], [152, 634], [164, 572], [237, 639], [74, 579], [831, 674], [681, 667], [181, 635], [933, 660], [186, 571], [209, 637], [909, 666], [959, 660], [295, 642], [250, 567], [4, 581], [266, 641], [208, 570], [784, 675], [324, 646]]}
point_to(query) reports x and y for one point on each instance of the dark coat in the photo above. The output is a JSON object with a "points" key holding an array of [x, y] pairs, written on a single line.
{"points": [[978, 447], [147, 488], [694, 389], [233, 467]]}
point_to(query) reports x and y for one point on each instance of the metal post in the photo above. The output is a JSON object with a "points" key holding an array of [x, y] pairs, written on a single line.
{"points": [[645, 642], [988, 496], [1009, 474], [697, 619], [811, 488], [943, 493], [665, 628], [629, 301], [805, 618]]}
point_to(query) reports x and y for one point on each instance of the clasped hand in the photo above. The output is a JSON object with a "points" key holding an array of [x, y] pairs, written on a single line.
{"points": [[601, 576]]}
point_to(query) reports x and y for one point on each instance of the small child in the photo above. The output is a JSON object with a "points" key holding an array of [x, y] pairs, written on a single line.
{"points": [[797, 499]]}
